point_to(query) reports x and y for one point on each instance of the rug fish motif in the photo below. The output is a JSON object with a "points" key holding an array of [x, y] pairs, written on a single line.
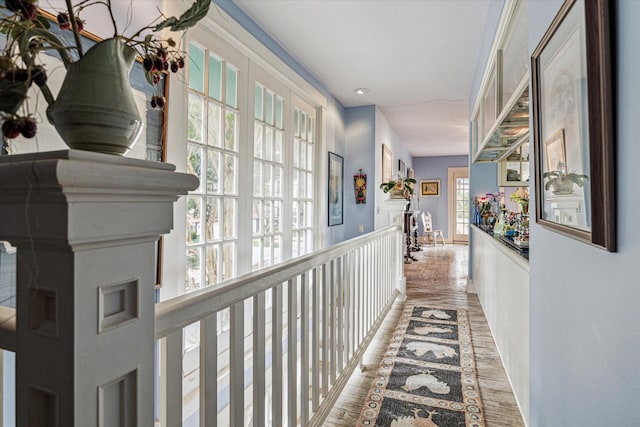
{"points": [[428, 376]]}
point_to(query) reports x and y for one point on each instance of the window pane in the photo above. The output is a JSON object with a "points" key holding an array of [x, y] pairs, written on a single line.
{"points": [[213, 218], [277, 157], [257, 140], [309, 185], [303, 125], [212, 264], [213, 171], [277, 181], [215, 78], [258, 102], [257, 217], [296, 151], [196, 68], [256, 254], [277, 249], [268, 144], [295, 212], [310, 157], [309, 214], [228, 260], [294, 244], [266, 223], [296, 120], [303, 155], [266, 257], [232, 87], [230, 174], [194, 163], [279, 108], [266, 180], [194, 219], [294, 184], [277, 216], [195, 118], [214, 125], [257, 179], [193, 279], [268, 108], [229, 218], [310, 129], [231, 131]]}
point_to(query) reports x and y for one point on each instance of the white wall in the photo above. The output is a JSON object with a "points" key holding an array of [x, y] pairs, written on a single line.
{"points": [[501, 278], [384, 134], [585, 321]]}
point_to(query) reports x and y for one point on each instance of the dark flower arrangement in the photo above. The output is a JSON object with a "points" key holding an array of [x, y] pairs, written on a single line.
{"points": [[27, 34]]}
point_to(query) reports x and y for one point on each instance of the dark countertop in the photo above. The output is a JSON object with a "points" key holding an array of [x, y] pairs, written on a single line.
{"points": [[508, 242]]}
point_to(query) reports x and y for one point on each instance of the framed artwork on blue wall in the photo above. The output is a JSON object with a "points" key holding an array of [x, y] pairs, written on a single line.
{"points": [[336, 166], [573, 133]]}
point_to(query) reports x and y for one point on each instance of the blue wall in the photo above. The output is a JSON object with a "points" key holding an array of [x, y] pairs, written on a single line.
{"points": [[437, 168], [585, 321], [360, 149]]}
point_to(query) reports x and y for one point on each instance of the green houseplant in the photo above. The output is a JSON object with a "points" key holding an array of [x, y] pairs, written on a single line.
{"points": [[561, 183], [401, 188], [95, 93]]}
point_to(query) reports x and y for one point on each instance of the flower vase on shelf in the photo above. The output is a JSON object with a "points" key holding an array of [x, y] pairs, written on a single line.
{"points": [[95, 109]]}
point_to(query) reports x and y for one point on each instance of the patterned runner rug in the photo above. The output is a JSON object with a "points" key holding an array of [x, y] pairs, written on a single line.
{"points": [[428, 375]]}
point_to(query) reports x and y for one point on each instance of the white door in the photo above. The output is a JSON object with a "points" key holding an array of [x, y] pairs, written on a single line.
{"points": [[459, 205]]}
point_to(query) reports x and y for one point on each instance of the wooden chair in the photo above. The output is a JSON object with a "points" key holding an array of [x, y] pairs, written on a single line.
{"points": [[428, 230]]}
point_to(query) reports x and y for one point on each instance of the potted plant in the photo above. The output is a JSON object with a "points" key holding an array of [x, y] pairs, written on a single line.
{"points": [[95, 92], [561, 183], [401, 188]]}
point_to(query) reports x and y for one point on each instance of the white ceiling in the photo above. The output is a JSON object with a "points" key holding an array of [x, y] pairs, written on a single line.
{"points": [[417, 57]]}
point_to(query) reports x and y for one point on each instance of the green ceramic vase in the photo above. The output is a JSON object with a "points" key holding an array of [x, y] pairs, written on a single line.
{"points": [[95, 109]]}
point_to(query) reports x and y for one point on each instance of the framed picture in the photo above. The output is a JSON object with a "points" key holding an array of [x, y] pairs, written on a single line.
{"points": [[410, 173], [336, 164], [572, 125], [430, 188], [401, 169], [387, 163]]}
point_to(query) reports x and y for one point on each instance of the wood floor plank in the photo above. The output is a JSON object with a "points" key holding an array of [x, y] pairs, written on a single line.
{"points": [[438, 278]]}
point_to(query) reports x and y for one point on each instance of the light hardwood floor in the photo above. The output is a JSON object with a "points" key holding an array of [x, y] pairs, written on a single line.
{"points": [[438, 278]]}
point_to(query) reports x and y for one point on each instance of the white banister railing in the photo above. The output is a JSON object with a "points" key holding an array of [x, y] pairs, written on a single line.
{"points": [[297, 331], [274, 347]]}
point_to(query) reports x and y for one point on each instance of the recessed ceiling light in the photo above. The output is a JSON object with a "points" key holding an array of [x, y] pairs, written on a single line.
{"points": [[361, 90]]}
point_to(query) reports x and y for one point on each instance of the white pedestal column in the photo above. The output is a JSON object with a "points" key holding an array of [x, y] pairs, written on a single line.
{"points": [[85, 226]]}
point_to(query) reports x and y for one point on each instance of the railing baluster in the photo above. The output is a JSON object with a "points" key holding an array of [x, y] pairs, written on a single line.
{"points": [[236, 362], [173, 371], [259, 349], [209, 371], [340, 314], [304, 322], [292, 347], [325, 331], [315, 350], [276, 361], [333, 320]]}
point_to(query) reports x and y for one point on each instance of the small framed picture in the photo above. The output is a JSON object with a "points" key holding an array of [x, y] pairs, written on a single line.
{"points": [[430, 188], [410, 173], [401, 169]]}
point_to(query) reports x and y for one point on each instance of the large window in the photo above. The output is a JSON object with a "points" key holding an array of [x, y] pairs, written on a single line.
{"points": [[212, 155], [302, 182], [268, 174]]}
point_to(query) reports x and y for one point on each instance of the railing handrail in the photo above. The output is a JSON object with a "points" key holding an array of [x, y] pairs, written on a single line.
{"points": [[183, 310]]}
